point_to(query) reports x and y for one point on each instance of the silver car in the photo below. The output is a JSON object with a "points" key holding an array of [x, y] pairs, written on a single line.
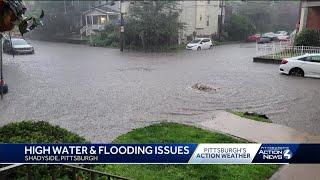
{"points": [[19, 46]]}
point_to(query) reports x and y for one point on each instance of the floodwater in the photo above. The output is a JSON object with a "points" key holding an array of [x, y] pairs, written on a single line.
{"points": [[100, 93]]}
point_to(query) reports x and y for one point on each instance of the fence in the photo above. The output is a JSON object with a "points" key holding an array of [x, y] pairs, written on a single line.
{"points": [[278, 50]]}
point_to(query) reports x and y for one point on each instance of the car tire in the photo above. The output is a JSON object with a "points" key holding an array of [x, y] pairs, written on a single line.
{"points": [[199, 48], [296, 72], [211, 47]]}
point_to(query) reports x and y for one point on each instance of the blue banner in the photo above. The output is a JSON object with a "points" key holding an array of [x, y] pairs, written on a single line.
{"points": [[159, 153], [96, 153]]}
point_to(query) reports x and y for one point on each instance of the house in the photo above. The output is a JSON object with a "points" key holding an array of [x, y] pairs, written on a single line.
{"points": [[98, 16], [201, 18], [309, 14]]}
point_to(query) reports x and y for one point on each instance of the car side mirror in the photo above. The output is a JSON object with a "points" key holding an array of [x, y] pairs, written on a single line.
{"points": [[201, 42]]}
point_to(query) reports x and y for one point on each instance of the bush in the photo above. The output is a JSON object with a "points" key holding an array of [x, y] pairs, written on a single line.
{"points": [[37, 132], [308, 37], [108, 38]]}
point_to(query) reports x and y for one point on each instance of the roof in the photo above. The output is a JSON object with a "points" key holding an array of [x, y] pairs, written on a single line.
{"points": [[105, 9], [202, 38]]}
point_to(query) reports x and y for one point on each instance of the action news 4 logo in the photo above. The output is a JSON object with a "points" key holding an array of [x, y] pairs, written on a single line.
{"points": [[287, 154], [270, 153]]}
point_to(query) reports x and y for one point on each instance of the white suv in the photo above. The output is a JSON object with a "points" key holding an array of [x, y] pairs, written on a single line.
{"points": [[200, 44], [306, 65]]}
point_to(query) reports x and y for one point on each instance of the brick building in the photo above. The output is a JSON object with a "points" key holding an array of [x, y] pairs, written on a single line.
{"points": [[309, 14]]}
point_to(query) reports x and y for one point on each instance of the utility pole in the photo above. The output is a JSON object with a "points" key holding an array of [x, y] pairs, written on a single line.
{"points": [[1, 74], [221, 19], [121, 27], [65, 7]]}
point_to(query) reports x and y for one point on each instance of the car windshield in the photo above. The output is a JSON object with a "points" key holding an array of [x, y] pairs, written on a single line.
{"points": [[196, 41], [19, 42]]}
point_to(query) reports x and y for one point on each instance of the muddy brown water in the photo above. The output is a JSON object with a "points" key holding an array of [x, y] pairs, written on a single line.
{"points": [[100, 93]]}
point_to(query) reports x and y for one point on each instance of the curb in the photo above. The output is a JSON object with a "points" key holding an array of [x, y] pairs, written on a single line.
{"points": [[266, 60]]}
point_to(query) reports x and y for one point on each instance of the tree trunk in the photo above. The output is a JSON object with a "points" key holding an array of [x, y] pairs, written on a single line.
{"points": [[1, 5]]}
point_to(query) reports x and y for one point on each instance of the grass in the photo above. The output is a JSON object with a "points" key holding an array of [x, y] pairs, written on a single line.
{"points": [[252, 117], [178, 133]]}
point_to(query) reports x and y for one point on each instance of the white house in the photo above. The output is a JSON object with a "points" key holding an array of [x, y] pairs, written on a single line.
{"points": [[96, 18], [201, 17]]}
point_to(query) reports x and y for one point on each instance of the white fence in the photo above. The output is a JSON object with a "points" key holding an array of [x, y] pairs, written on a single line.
{"points": [[278, 50]]}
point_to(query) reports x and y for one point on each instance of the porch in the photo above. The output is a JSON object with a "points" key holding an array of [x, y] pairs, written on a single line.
{"points": [[96, 19]]}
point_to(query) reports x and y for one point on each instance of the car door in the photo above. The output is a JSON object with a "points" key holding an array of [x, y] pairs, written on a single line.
{"points": [[205, 44], [311, 65]]}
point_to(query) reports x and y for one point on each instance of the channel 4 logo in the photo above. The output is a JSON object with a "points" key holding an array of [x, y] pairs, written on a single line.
{"points": [[287, 154], [271, 153]]}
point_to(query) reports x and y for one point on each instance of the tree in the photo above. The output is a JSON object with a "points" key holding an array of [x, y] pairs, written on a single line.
{"points": [[239, 27], [153, 25], [268, 15]]}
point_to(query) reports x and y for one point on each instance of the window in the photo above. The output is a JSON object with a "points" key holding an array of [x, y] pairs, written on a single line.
{"points": [[311, 59], [205, 40], [208, 1], [315, 59], [208, 23], [200, 17]]}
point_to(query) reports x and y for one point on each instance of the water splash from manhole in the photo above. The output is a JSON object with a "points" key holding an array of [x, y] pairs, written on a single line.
{"points": [[204, 87]]}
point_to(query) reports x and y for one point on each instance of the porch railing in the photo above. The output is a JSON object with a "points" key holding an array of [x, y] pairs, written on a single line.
{"points": [[83, 29], [90, 29]]}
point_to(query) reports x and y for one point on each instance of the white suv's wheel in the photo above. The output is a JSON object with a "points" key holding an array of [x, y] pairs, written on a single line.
{"points": [[296, 72]]}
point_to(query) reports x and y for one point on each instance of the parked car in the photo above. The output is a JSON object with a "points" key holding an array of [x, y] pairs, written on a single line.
{"points": [[307, 65], [282, 36], [271, 35], [19, 46], [254, 38], [264, 39], [200, 44], [281, 33]]}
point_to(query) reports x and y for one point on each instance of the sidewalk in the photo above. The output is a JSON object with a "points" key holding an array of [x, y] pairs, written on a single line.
{"points": [[266, 133]]}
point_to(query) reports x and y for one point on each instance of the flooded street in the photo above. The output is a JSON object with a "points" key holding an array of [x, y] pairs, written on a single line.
{"points": [[100, 93]]}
